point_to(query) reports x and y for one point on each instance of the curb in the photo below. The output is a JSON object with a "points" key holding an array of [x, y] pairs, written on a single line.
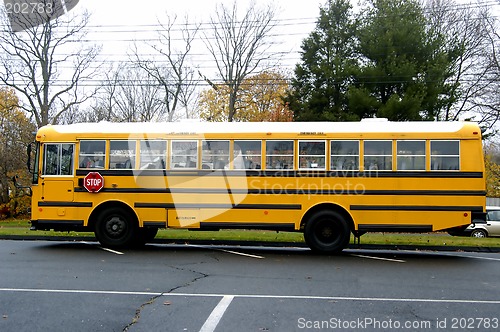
{"points": [[259, 244]]}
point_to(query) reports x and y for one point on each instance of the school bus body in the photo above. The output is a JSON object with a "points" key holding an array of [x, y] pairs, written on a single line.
{"points": [[429, 177]]}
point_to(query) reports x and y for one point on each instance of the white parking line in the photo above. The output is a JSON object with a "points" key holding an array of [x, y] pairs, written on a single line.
{"points": [[451, 254], [105, 249], [216, 315], [241, 253], [380, 258], [226, 251], [251, 296], [76, 291], [475, 257], [111, 250]]}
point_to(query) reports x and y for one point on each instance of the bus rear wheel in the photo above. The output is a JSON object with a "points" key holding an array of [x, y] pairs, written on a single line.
{"points": [[115, 228], [327, 232]]}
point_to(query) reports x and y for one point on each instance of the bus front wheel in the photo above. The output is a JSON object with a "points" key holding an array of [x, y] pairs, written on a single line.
{"points": [[115, 228], [327, 232]]}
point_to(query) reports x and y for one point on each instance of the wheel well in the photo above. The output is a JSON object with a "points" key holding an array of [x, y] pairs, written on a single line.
{"points": [[331, 207], [108, 205]]}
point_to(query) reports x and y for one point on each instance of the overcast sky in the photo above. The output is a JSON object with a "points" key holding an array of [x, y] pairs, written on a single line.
{"points": [[118, 23], [123, 12]]}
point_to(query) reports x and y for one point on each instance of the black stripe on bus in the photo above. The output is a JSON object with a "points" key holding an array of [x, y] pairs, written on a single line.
{"points": [[288, 191], [155, 224], [65, 204], [284, 173], [394, 228], [426, 192], [413, 208], [237, 225], [58, 223], [219, 206], [128, 190]]}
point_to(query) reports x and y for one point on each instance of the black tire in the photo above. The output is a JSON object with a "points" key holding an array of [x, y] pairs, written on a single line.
{"points": [[327, 232], [479, 233], [115, 228]]}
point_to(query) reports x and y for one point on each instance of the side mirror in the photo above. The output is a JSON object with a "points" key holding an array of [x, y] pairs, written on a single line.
{"points": [[25, 189]]}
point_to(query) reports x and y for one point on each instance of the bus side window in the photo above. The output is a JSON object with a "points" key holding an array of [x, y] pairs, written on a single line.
{"points": [[410, 155], [378, 155], [247, 154], [122, 154], [445, 155], [152, 154], [312, 154], [183, 154], [215, 154], [344, 155], [279, 154], [92, 154]]}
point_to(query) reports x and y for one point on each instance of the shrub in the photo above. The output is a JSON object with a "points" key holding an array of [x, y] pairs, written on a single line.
{"points": [[15, 207]]}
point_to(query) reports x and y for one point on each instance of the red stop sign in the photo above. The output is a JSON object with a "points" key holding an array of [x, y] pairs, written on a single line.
{"points": [[93, 182]]}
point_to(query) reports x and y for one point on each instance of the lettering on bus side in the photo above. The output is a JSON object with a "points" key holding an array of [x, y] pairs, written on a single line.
{"points": [[311, 133]]}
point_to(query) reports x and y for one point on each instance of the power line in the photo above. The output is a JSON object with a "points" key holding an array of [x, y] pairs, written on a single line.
{"points": [[107, 58], [218, 81], [279, 22]]}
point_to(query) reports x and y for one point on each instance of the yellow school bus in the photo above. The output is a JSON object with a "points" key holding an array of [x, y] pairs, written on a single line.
{"points": [[124, 181]]}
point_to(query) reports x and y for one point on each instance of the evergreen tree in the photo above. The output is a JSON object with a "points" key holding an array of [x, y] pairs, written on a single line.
{"points": [[328, 60], [397, 64], [406, 65]]}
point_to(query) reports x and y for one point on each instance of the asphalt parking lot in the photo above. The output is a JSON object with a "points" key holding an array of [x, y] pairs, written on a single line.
{"points": [[80, 286]]}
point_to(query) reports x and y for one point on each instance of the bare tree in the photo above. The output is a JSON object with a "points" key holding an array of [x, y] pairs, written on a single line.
{"points": [[102, 109], [46, 64], [138, 97], [176, 78], [239, 45], [489, 103], [127, 93], [102, 104], [467, 35]]}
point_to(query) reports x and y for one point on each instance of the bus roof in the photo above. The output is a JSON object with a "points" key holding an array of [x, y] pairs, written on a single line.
{"points": [[199, 127]]}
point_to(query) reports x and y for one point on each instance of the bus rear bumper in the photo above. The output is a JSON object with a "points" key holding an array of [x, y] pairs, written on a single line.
{"points": [[57, 225]]}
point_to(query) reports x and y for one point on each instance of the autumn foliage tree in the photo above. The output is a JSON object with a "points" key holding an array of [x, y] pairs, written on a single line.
{"points": [[259, 99], [15, 133], [239, 46], [492, 167]]}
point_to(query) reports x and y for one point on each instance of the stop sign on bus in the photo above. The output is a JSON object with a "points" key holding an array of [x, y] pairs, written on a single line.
{"points": [[93, 182]]}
